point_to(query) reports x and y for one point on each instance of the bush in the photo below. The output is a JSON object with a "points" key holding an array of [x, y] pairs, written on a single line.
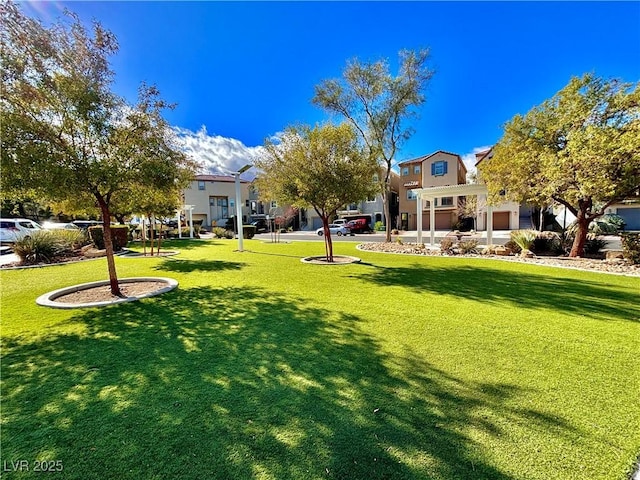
{"points": [[446, 245], [119, 236], [379, 226], [513, 247], [524, 239], [547, 242], [248, 231], [228, 234], [631, 247], [45, 245], [41, 246], [605, 225], [468, 246], [219, 232], [593, 245]]}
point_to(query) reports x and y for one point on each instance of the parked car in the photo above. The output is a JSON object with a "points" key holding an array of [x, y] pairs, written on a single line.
{"points": [[359, 225], [261, 225], [339, 221], [333, 228], [14, 229], [85, 224], [59, 226]]}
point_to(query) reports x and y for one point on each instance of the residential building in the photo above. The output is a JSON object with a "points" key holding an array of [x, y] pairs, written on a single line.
{"points": [[629, 210], [372, 208], [213, 199], [434, 170], [506, 215]]}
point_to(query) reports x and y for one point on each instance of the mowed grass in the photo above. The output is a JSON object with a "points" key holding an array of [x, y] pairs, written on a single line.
{"points": [[261, 367]]}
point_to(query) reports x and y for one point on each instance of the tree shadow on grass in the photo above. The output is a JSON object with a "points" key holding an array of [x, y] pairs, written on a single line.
{"points": [[525, 290], [187, 266], [241, 383]]}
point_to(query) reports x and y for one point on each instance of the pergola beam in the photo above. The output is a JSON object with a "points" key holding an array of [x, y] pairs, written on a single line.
{"points": [[431, 193]]}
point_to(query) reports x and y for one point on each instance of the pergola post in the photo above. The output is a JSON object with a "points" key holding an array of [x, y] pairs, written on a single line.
{"points": [[190, 221], [489, 225], [432, 220], [419, 217], [179, 223]]}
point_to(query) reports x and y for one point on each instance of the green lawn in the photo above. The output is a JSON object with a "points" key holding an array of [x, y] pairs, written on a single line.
{"points": [[259, 366]]}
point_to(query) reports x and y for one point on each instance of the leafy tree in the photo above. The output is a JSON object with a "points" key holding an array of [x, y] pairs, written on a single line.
{"points": [[580, 148], [378, 104], [65, 135], [323, 167]]}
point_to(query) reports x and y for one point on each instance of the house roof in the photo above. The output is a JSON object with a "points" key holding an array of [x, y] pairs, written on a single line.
{"points": [[483, 155], [219, 178], [425, 157]]}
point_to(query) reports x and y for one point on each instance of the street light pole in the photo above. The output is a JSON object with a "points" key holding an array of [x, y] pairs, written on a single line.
{"points": [[239, 205]]}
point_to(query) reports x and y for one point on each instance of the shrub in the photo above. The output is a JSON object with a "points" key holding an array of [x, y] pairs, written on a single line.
{"points": [[524, 239], [547, 242], [248, 231], [631, 247], [593, 245], [229, 234], [468, 246], [513, 247], [41, 246], [379, 226], [119, 236], [219, 232], [399, 241], [604, 225], [446, 245]]}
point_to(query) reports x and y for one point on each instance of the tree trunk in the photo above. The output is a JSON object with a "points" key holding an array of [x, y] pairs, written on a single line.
{"points": [[582, 221], [328, 243], [387, 211], [108, 245]]}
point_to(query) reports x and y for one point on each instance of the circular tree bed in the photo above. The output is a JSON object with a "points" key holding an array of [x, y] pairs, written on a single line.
{"points": [[98, 294], [337, 260]]}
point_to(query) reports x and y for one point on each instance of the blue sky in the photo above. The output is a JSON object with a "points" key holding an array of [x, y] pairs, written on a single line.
{"points": [[246, 70]]}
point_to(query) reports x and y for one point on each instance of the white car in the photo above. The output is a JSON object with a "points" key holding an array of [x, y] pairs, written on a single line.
{"points": [[14, 229], [59, 226], [333, 228]]}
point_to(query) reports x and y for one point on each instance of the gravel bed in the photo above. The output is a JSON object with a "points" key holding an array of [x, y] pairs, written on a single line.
{"points": [[618, 267]]}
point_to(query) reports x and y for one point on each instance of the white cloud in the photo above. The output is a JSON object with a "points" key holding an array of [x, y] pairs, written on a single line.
{"points": [[469, 160], [217, 155]]}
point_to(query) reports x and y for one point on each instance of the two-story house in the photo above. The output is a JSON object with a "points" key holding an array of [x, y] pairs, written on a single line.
{"points": [[213, 199], [435, 170]]}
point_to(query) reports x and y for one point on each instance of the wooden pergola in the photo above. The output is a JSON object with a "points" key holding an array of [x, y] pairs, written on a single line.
{"points": [[432, 193]]}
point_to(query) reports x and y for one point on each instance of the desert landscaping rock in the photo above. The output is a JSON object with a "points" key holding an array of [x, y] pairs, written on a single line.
{"points": [[615, 266]]}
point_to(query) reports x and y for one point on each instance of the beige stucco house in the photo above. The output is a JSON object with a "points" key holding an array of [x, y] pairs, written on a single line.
{"points": [[213, 199], [434, 170]]}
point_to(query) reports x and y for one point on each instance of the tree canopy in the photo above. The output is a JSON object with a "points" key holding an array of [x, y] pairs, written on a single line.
{"points": [[378, 105], [581, 149], [65, 135], [322, 167]]}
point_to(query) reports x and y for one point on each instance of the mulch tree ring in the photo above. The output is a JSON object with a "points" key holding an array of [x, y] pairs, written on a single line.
{"points": [[98, 294], [337, 260]]}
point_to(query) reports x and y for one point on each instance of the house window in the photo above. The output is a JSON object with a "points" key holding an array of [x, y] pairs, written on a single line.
{"points": [[371, 199], [411, 195], [439, 168], [446, 201], [274, 204], [405, 171], [201, 185], [219, 207], [416, 169]]}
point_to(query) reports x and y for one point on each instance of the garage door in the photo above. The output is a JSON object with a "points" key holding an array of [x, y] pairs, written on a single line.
{"points": [[501, 220], [631, 217], [444, 221]]}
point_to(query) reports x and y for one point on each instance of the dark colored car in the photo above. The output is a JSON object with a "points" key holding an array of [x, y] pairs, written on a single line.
{"points": [[261, 225], [359, 225]]}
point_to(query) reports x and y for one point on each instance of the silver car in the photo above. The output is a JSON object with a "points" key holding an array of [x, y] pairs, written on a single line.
{"points": [[333, 228], [14, 229]]}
